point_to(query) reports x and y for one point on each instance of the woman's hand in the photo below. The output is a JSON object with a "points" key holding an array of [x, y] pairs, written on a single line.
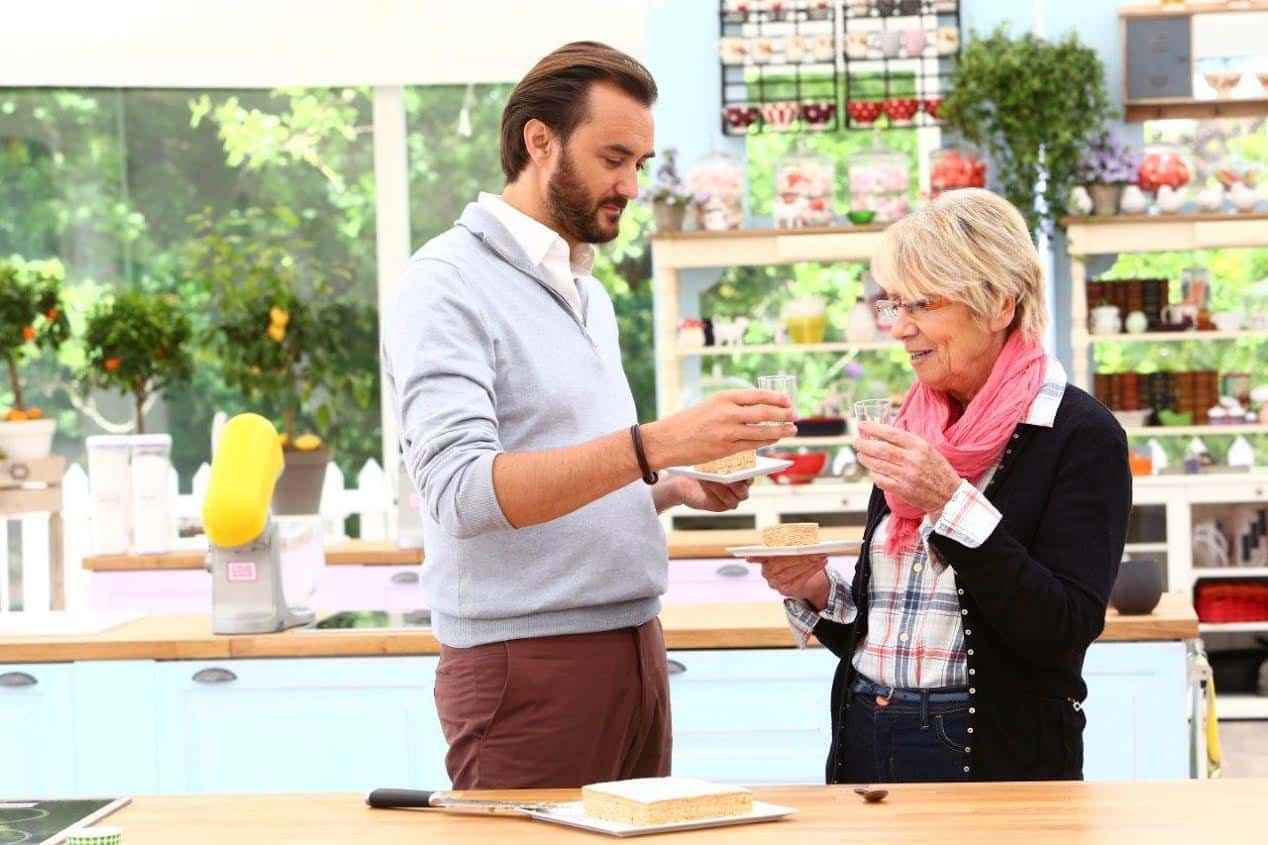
{"points": [[907, 466], [798, 577]]}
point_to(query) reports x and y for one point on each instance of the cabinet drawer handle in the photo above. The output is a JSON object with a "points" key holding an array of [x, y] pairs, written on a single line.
{"points": [[676, 668], [214, 675], [17, 679], [405, 578]]}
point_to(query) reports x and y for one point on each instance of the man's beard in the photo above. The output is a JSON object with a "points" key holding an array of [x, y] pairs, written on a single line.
{"points": [[575, 213]]}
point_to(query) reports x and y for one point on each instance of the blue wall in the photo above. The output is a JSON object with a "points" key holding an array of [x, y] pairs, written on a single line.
{"points": [[681, 52]]}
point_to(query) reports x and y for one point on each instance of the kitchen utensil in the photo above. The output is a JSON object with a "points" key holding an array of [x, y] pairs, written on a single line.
{"points": [[427, 799], [806, 466]]}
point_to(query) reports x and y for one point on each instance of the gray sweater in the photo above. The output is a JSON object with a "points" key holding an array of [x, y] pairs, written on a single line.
{"points": [[483, 357]]}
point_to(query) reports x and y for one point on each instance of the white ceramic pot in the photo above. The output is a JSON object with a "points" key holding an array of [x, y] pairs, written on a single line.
{"points": [[27, 440], [1105, 320], [1133, 200], [1137, 322]]}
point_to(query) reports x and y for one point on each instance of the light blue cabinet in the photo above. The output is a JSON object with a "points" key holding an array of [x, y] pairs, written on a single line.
{"points": [[756, 716], [310, 725], [1137, 722], [751, 717], [37, 740], [761, 717]]}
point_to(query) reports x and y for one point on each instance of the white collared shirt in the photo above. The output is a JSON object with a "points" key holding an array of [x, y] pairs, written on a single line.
{"points": [[544, 246]]}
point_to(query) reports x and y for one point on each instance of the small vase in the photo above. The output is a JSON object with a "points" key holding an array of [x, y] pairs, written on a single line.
{"points": [[668, 218], [1105, 199], [1138, 587]]}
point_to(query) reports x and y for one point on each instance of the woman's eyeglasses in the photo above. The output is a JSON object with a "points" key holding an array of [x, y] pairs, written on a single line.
{"points": [[887, 309]]}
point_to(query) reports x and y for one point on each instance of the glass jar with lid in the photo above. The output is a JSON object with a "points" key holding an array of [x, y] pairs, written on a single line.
{"points": [[717, 181], [954, 166], [1166, 170], [804, 191], [879, 181]]}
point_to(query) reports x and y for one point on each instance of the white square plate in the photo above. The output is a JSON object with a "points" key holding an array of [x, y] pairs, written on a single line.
{"points": [[765, 466], [572, 814], [828, 547]]}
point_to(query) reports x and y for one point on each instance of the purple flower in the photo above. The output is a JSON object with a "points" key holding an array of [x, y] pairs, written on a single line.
{"points": [[1106, 162], [854, 370]]}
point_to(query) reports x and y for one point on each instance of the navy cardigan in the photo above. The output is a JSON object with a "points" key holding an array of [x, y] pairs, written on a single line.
{"points": [[1033, 596]]}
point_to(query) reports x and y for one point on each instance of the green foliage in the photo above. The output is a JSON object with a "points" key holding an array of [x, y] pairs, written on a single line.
{"points": [[276, 325], [136, 343], [32, 315], [1032, 104]]}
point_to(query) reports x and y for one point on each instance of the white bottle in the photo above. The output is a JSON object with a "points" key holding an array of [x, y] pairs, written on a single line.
{"points": [[1241, 453]]}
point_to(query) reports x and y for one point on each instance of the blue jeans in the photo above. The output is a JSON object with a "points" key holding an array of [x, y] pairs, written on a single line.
{"points": [[906, 741]]}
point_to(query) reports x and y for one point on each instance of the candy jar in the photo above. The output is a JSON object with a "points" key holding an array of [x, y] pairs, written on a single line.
{"points": [[1166, 165], [879, 180], [803, 191], [717, 181], [955, 166]]}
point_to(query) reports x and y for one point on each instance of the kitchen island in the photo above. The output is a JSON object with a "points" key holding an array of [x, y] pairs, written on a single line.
{"points": [[160, 705], [1223, 811]]}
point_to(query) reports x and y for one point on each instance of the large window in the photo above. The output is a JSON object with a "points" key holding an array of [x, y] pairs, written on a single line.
{"points": [[107, 181]]}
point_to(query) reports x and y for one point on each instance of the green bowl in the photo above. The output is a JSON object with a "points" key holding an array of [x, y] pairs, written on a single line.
{"points": [[861, 217]]}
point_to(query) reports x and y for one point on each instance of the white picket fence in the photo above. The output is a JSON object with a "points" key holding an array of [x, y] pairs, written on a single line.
{"points": [[371, 498]]}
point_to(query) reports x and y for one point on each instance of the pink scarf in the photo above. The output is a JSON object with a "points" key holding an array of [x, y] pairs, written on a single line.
{"points": [[972, 443]]}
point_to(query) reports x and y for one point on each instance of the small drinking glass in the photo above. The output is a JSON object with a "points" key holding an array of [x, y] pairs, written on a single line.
{"points": [[784, 383], [875, 411]]}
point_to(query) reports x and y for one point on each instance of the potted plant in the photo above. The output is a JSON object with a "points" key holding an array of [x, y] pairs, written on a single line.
{"points": [[279, 332], [1105, 168], [1030, 103], [137, 343], [668, 194], [32, 321]]}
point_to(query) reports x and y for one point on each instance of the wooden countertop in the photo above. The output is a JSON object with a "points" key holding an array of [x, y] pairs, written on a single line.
{"points": [[682, 545], [700, 626], [1223, 811]]}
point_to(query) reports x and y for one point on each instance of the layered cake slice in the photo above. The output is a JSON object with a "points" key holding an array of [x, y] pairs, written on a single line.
{"points": [[731, 463], [791, 534], [645, 801]]}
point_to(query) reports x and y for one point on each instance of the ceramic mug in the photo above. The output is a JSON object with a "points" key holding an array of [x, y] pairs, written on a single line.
{"points": [[1227, 321], [890, 42], [1180, 312], [794, 49], [857, 44], [914, 42], [822, 48], [732, 50]]}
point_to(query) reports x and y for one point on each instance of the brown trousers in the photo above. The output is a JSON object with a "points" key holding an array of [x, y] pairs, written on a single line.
{"points": [[556, 711]]}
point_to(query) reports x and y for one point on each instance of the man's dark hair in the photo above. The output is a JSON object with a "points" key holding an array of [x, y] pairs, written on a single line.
{"points": [[557, 91]]}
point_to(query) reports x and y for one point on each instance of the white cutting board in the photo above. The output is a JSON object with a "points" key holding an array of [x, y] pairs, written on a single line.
{"points": [[63, 623]]}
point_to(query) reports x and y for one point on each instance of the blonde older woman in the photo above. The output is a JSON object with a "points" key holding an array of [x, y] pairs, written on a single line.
{"points": [[994, 531]]}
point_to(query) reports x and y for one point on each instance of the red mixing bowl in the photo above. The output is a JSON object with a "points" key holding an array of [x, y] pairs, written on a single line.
{"points": [[806, 466]]}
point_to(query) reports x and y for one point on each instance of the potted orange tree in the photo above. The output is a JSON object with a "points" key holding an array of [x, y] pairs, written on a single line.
{"points": [[277, 329], [137, 343], [32, 322]]}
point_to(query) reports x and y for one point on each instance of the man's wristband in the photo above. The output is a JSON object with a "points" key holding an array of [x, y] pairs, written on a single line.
{"points": [[649, 477]]}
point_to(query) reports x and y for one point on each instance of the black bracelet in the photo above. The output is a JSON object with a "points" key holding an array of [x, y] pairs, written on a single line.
{"points": [[649, 477]]}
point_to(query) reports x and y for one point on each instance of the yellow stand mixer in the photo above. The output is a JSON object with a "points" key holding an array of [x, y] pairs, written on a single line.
{"points": [[244, 554]]}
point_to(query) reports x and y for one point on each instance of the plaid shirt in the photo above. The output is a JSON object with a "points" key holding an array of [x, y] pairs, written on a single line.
{"points": [[914, 637]]}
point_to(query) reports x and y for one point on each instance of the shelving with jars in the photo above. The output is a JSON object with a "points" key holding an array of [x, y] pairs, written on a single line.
{"points": [[1171, 510], [1154, 233], [677, 343]]}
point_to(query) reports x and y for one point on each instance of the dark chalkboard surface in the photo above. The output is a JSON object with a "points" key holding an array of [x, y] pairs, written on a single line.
{"points": [[1159, 58]]}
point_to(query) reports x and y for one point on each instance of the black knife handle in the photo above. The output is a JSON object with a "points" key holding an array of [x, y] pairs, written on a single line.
{"points": [[396, 799]]}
